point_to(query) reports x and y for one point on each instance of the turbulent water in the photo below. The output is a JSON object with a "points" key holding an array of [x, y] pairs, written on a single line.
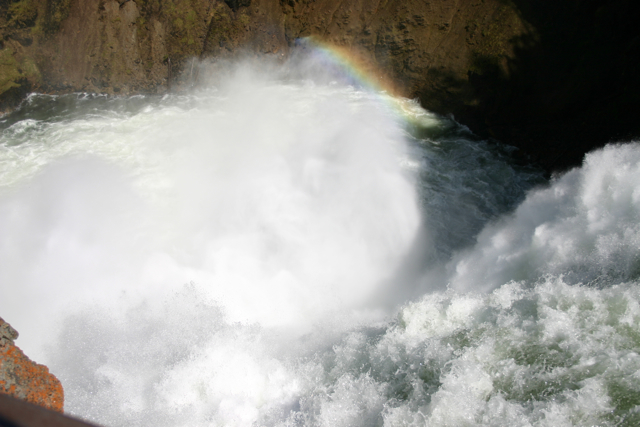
{"points": [[274, 251]]}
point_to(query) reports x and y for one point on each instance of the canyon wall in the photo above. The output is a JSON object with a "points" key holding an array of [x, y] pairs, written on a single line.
{"points": [[553, 78]]}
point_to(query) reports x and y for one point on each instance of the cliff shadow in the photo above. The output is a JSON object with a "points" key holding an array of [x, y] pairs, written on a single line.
{"points": [[570, 86]]}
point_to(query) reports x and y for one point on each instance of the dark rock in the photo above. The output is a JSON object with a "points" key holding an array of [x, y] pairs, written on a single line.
{"points": [[556, 79], [237, 4], [18, 413]]}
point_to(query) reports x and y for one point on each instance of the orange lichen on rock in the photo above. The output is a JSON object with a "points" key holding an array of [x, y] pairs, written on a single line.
{"points": [[22, 378]]}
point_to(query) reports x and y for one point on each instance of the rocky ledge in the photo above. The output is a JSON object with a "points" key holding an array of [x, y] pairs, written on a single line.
{"points": [[22, 378]]}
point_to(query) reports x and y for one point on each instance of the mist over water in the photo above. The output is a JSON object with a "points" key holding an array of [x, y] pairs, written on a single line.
{"points": [[281, 248]]}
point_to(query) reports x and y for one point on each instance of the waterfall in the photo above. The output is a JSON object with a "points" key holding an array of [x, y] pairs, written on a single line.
{"points": [[289, 248]]}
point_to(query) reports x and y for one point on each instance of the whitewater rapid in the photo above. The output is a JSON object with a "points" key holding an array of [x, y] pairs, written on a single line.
{"points": [[277, 251]]}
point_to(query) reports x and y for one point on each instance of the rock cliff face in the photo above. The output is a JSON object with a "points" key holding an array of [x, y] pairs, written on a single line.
{"points": [[24, 379], [554, 78]]}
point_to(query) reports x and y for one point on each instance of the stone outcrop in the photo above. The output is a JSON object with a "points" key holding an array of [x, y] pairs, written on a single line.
{"points": [[554, 78], [24, 379]]}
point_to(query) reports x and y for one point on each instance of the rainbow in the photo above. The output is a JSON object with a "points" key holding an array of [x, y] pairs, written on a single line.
{"points": [[361, 72]]}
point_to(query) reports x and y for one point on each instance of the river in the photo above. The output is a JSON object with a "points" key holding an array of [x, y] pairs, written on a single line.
{"points": [[283, 249]]}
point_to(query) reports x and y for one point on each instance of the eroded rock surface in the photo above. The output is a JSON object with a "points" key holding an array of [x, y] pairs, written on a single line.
{"points": [[556, 79], [22, 378]]}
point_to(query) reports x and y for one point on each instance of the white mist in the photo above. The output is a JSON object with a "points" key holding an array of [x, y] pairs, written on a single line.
{"points": [[284, 206], [231, 256]]}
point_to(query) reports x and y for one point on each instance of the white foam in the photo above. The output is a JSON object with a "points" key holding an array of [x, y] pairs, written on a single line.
{"points": [[586, 225], [227, 258], [286, 205]]}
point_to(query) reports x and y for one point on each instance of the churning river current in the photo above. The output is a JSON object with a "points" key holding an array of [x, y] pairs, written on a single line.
{"points": [[305, 252]]}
